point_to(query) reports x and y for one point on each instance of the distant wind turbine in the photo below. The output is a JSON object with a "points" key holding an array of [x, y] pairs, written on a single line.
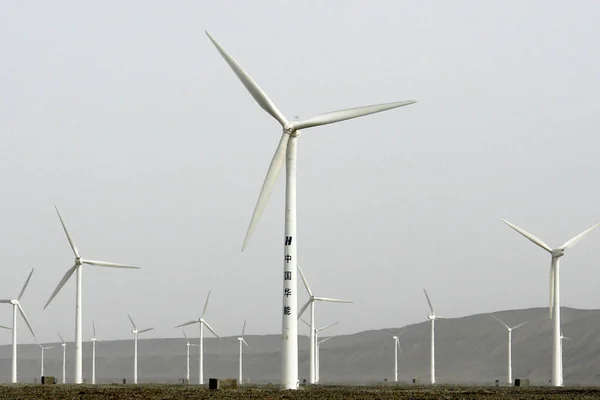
{"points": [[316, 336], [510, 382], [432, 317], [16, 305], [93, 340], [319, 343], [201, 322], [79, 262], [64, 370], [241, 340], [556, 254], [311, 302], [136, 332], [187, 363], [42, 359], [286, 150]]}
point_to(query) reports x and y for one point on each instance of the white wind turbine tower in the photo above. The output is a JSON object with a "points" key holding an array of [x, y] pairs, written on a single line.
{"points": [[315, 334], [93, 340], [136, 332], [42, 359], [79, 262], [432, 317], [64, 370], [201, 322], [17, 309], [286, 150], [557, 376], [311, 302], [396, 347], [510, 382], [319, 343], [187, 363], [241, 340]]}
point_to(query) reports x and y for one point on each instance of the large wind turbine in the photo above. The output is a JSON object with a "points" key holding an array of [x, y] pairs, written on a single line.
{"points": [[136, 332], [319, 343], [201, 321], [286, 149], [556, 254], [17, 309], [510, 382], [42, 359], [64, 369], [432, 317], [241, 340], [187, 363], [311, 302], [79, 262], [93, 340]]}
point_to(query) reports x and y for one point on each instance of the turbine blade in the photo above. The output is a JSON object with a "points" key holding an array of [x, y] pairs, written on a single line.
{"points": [[577, 238], [25, 285], [499, 320], [145, 330], [244, 329], [5, 327], [259, 95], [131, 319], [326, 339], [429, 301], [188, 323], [267, 187], [61, 338], [327, 326], [307, 324], [529, 236], [94, 327], [108, 264], [8, 301], [26, 320], [342, 115], [185, 336], [304, 308], [520, 325], [551, 289], [305, 281], [210, 328], [61, 284], [205, 304], [69, 238], [330, 300], [248, 346]]}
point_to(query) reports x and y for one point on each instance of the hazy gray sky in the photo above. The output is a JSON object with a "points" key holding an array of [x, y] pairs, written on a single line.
{"points": [[124, 115]]}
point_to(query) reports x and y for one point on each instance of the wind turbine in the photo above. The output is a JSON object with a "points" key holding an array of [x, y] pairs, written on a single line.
{"points": [[432, 317], [17, 308], [42, 360], [311, 302], [556, 254], [188, 344], [201, 321], [64, 346], [241, 340], [93, 340], [286, 149], [319, 343], [510, 382], [136, 332], [396, 348], [79, 262], [316, 339]]}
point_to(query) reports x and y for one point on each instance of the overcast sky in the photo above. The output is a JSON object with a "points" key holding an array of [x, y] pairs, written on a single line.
{"points": [[125, 116]]}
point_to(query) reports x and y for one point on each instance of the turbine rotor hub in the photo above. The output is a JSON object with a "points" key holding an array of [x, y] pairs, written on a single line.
{"points": [[557, 253], [78, 261]]}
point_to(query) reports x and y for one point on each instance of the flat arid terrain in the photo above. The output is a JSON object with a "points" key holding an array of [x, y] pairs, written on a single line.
{"points": [[174, 392]]}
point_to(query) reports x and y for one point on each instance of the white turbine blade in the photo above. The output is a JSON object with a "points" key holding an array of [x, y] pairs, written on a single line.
{"points": [[61, 338], [267, 187], [429, 301], [342, 115], [49, 347], [145, 330], [69, 238], [205, 304], [108, 264], [131, 319], [210, 328], [499, 320], [26, 320], [194, 345], [305, 281], [259, 95], [185, 336], [25, 285], [243, 329], [188, 323], [520, 325], [304, 308], [330, 300], [577, 238], [551, 290], [326, 339], [7, 301], [327, 326], [94, 328], [529, 236], [5, 327], [307, 324], [61, 283], [248, 346]]}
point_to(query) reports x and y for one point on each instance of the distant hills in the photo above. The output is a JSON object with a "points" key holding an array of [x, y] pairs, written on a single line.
{"points": [[470, 349]]}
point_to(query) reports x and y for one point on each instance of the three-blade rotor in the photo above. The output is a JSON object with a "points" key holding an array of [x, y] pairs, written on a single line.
{"points": [[313, 298], [201, 320], [135, 330], [241, 338], [289, 128], [16, 303]]}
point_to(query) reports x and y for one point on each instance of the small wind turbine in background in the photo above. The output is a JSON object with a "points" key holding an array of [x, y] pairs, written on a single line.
{"points": [[187, 358], [319, 343], [396, 351], [241, 340], [43, 348], [510, 382], [432, 317], [201, 322], [16, 305], [556, 254], [286, 151], [136, 332], [93, 340], [64, 369]]}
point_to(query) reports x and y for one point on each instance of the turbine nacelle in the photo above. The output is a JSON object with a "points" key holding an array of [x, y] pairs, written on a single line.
{"points": [[557, 253]]}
